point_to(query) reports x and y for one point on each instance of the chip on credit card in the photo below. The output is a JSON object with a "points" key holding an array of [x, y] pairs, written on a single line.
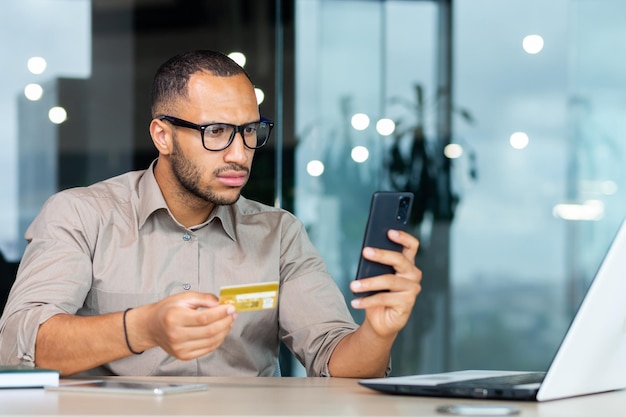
{"points": [[250, 297]]}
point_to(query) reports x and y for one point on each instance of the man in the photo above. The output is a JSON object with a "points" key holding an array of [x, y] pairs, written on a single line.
{"points": [[120, 277]]}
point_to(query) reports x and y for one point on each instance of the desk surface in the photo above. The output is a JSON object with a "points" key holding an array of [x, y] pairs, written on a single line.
{"points": [[278, 397]]}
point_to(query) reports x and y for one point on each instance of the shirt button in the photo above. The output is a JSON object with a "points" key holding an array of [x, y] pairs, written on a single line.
{"points": [[186, 237], [186, 286]]}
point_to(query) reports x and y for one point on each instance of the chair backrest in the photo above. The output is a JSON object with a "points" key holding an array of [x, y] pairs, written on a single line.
{"points": [[7, 277]]}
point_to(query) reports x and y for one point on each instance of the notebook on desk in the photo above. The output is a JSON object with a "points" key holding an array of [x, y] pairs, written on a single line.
{"points": [[590, 359]]}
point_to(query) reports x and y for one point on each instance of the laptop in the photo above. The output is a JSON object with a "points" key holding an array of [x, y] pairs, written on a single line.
{"points": [[590, 359]]}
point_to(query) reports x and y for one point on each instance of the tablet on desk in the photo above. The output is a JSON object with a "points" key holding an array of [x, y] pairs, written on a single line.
{"points": [[128, 387]]}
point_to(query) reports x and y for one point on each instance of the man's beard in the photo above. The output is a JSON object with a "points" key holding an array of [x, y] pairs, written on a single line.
{"points": [[189, 177]]}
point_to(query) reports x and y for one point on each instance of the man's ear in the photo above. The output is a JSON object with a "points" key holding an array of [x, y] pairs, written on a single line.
{"points": [[161, 134]]}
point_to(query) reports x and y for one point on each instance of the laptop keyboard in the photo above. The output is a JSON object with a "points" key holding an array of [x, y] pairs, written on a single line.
{"points": [[507, 381]]}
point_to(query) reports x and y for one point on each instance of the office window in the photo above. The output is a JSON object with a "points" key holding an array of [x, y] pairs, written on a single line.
{"points": [[543, 82], [365, 104], [517, 107], [39, 54]]}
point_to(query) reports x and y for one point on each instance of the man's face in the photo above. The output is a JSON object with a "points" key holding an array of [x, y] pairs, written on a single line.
{"points": [[215, 177]]}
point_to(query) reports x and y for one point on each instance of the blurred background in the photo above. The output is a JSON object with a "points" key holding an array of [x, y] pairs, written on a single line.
{"points": [[507, 119]]}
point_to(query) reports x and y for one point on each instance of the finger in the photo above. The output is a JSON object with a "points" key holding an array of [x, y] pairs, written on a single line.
{"points": [[398, 261], [195, 300], [208, 337], [194, 348], [181, 309], [394, 292], [206, 316], [177, 322], [409, 243], [218, 329], [400, 301], [392, 283]]}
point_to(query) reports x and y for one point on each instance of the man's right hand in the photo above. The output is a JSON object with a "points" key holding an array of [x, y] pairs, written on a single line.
{"points": [[186, 325]]}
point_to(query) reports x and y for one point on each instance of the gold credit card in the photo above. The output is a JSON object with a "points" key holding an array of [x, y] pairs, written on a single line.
{"points": [[250, 297]]}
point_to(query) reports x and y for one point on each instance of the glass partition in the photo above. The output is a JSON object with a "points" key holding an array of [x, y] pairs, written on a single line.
{"points": [[39, 54], [366, 118], [542, 81], [531, 99]]}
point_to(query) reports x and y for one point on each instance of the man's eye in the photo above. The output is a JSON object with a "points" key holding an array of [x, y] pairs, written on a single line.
{"points": [[250, 129], [215, 130]]}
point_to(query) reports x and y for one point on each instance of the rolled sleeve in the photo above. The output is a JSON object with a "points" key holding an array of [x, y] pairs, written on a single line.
{"points": [[312, 311], [53, 278], [314, 320], [19, 334]]}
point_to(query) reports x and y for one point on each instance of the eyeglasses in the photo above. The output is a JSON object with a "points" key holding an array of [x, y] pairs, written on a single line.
{"points": [[219, 136]]}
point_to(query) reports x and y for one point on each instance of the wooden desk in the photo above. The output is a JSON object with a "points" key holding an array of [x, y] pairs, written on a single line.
{"points": [[277, 397]]}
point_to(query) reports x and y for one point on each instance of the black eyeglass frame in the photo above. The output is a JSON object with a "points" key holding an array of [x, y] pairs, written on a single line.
{"points": [[236, 129]]}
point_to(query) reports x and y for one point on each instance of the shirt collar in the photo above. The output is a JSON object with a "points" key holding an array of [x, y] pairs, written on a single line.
{"points": [[151, 199], [150, 196], [226, 215]]}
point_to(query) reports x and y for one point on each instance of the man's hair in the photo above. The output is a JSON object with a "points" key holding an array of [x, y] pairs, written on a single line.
{"points": [[171, 79]]}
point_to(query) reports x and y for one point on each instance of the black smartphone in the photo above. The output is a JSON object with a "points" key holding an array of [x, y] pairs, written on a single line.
{"points": [[388, 210]]}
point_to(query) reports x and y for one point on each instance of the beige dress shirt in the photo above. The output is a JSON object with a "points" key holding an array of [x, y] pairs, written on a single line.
{"points": [[114, 245]]}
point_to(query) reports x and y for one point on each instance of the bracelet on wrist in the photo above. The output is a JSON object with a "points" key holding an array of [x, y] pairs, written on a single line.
{"points": [[126, 334]]}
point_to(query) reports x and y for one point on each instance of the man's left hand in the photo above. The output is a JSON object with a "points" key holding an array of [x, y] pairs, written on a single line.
{"points": [[388, 312]]}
